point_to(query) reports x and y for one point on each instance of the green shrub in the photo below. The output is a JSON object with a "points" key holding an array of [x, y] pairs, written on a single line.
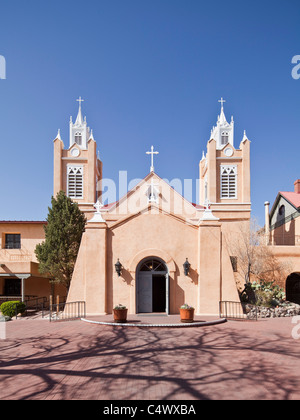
{"points": [[9, 308], [268, 294]]}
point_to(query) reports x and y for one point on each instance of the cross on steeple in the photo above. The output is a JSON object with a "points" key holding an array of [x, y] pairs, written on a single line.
{"points": [[222, 102], [80, 100], [152, 153]]}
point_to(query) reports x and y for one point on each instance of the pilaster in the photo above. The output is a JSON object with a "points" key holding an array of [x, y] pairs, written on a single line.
{"points": [[57, 179], [210, 263], [96, 286]]}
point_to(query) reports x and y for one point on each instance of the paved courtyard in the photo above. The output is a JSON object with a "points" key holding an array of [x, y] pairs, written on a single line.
{"points": [[77, 360]]}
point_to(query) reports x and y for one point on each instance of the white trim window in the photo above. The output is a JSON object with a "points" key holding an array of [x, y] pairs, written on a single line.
{"points": [[75, 182], [229, 181], [78, 138]]}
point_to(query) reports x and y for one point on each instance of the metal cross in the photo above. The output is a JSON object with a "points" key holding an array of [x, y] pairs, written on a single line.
{"points": [[222, 101], [80, 100], [152, 153]]}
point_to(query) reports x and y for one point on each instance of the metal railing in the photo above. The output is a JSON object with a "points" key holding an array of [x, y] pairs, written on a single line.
{"points": [[238, 310], [67, 311], [32, 306]]}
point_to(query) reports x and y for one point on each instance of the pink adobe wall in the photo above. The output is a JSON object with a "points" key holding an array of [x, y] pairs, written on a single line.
{"points": [[159, 235], [148, 232], [32, 233]]}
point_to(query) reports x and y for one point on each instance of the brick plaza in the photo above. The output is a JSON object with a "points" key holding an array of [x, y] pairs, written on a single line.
{"points": [[76, 360]]}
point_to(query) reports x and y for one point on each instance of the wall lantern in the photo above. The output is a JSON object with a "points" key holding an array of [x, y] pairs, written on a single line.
{"points": [[186, 267], [118, 267]]}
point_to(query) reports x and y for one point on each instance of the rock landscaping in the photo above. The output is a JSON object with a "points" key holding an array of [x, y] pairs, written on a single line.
{"points": [[287, 309]]}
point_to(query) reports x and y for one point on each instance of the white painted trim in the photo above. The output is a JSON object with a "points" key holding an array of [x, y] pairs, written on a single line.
{"points": [[75, 158], [231, 210], [229, 158]]}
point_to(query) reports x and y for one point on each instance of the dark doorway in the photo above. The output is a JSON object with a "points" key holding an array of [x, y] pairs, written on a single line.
{"points": [[293, 288], [12, 287], [152, 287], [159, 293]]}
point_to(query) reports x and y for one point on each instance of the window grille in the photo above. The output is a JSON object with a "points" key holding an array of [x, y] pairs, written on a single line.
{"points": [[153, 265], [12, 241], [228, 182], [75, 181]]}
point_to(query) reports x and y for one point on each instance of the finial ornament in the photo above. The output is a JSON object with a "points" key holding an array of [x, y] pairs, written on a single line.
{"points": [[207, 215], [98, 206], [98, 215], [152, 153], [153, 192]]}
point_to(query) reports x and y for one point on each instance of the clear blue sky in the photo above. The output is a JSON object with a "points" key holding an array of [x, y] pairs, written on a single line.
{"points": [[151, 72]]}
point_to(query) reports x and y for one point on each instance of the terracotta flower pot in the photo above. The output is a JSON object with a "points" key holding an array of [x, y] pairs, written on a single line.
{"points": [[187, 315], [120, 315]]}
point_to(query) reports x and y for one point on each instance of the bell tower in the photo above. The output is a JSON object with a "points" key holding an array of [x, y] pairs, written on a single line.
{"points": [[78, 169], [225, 172]]}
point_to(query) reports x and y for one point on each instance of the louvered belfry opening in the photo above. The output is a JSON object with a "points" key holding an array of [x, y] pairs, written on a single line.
{"points": [[228, 182], [75, 182]]}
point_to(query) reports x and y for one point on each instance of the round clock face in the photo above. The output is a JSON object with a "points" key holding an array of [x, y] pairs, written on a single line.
{"points": [[228, 152], [75, 152]]}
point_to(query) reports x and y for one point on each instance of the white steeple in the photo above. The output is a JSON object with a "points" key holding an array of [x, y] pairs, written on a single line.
{"points": [[79, 132], [79, 119], [223, 132]]}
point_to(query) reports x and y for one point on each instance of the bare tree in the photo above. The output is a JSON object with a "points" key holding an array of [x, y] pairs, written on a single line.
{"points": [[255, 260]]}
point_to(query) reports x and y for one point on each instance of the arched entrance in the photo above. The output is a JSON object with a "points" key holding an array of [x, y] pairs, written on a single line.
{"points": [[152, 286], [292, 288]]}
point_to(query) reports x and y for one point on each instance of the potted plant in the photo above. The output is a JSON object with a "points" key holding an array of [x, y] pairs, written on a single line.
{"points": [[187, 313], [120, 313]]}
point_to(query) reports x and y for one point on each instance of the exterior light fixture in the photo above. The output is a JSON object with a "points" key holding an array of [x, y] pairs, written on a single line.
{"points": [[118, 267], [186, 267]]}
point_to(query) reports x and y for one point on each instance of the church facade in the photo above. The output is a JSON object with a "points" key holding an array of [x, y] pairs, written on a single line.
{"points": [[152, 250]]}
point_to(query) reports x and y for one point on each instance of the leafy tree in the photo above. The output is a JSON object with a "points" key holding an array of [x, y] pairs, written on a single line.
{"points": [[57, 254]]}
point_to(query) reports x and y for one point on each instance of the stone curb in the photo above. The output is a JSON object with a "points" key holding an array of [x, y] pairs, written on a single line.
{"points": [[182, 325]]}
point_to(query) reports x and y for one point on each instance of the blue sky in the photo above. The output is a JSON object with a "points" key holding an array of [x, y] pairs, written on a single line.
{"points": [[151, 72]]}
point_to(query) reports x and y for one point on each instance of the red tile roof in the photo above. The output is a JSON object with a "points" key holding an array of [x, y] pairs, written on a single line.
{"points": [[292, 197]]}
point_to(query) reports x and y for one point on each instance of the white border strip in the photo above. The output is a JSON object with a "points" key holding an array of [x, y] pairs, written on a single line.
{"points": [[182, 325]]}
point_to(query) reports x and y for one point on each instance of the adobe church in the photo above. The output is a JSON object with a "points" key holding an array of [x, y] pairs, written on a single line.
{"points": [[152, 250]]}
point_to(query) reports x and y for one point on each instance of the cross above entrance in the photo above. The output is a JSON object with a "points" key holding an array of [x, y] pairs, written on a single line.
{"points": [[152, 153]]}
